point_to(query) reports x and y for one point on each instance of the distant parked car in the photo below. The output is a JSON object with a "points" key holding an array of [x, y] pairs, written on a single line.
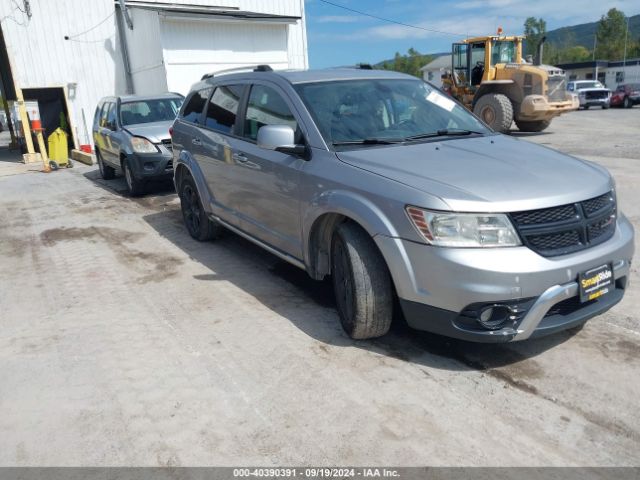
{"points": [[591, 93], [626, 95], [131, 134]]}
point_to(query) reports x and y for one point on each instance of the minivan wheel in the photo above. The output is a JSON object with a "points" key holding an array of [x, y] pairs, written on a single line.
{"points": [[361, 283], [106, 172], [195, 218], [627, 103], [135, 186]]}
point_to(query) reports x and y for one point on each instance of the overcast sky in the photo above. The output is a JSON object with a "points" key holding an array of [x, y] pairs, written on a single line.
{"points": [[339, 37]]}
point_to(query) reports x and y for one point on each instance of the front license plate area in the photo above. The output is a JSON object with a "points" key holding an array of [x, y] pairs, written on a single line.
{"points": [[596, 282]]}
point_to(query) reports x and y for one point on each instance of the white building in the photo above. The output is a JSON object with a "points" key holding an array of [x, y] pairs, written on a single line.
{"points": [[610, 73], [432, 72], [67, 54]]}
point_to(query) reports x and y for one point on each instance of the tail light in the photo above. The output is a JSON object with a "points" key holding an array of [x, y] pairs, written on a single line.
{"points": [[171, 131]]}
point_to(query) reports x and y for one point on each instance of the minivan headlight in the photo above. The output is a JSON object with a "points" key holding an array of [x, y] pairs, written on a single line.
{"points": [[142, 145], [446, 229]]}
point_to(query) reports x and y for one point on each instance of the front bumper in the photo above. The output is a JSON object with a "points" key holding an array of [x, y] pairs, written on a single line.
{"points": [[436, 285], [538, 107], [152, 165], [594, 102]]}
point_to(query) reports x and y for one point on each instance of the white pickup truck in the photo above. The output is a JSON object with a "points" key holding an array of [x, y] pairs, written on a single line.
{"points": [[591, 93]]}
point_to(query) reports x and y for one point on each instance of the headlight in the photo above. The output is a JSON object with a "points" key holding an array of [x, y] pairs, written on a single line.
{"points": [[445, 229], [142, 145]]}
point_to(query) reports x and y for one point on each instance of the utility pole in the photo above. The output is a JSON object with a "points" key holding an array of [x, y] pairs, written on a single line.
{"points": [[624, 59]]}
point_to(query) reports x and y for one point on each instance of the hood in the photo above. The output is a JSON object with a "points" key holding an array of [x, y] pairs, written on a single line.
{"points": [[156, 132], [495, 173]]}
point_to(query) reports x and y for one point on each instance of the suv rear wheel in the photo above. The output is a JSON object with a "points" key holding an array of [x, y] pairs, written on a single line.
{"points": [[361, 283], [195, 218]]}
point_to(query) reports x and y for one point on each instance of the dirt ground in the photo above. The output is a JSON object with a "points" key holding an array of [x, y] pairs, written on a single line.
{"points": [[125, 342]]}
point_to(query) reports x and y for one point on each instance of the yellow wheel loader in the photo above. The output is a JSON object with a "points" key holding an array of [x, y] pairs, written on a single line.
{"points": [[490, 77]]}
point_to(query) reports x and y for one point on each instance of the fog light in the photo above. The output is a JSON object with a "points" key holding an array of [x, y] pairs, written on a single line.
{"points": [[493, 317]]}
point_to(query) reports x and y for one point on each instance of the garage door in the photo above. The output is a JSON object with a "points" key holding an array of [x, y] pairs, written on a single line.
{"points": [[192, 48]]}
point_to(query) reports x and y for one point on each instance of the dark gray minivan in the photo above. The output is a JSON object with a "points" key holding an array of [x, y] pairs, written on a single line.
{"points": [[131, 135]]}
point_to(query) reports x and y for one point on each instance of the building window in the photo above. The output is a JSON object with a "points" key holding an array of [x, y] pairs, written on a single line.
{"points": [[589, 76], [430, 76], [620, 77], [572, 77]]}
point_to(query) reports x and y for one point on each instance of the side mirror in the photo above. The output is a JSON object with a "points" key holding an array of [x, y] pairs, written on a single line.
{"points": [[280, 138]]}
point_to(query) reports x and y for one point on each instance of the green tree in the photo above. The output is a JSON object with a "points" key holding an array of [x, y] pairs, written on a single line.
{"points": [[610, 36], [409, 63], [534, 30]]}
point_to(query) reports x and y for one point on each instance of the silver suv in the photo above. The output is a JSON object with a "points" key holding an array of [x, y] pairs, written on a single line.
{"points": [[131, 135], [396, 191]]}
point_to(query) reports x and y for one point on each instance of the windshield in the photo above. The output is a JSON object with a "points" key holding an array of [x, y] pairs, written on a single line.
{"points": [[393, 110], [503, 52], [148, 111], [589, 85]]}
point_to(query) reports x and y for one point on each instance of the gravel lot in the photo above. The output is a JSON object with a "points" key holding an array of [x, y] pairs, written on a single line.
{"points": [[125, 342]]}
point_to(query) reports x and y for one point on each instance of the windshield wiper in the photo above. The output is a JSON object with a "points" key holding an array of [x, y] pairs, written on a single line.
{"points": [[443, 133], [369, 141]]}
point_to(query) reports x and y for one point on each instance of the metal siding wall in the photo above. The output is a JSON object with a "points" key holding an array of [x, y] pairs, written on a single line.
{"points": [[145, 52], [41, 57], [297, 36], [223, 45]]}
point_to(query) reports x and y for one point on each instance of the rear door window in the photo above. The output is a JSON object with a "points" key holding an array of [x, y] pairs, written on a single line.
{"points": [[195, 105], [223, 108], [266, 107], [103, 114], [111, 116]]}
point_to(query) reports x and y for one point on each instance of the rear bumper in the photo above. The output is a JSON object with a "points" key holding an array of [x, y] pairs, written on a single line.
{"points": [[437, 287]]}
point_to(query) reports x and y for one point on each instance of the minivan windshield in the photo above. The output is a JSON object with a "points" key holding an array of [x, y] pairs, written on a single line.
{"points": [[370, 112], [148, 111]]}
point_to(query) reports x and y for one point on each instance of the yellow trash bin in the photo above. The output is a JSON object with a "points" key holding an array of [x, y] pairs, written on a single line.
{"points": [[58, 150]]}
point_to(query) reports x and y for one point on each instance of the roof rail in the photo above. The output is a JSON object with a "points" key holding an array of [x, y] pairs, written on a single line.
{"points": [[250, 68]]}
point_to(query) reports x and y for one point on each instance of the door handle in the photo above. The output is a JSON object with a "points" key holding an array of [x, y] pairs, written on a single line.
{"points": [[239, 157], [196, 141]]}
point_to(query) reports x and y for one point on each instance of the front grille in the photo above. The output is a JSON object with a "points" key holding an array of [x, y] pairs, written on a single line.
{"points": [[567, 228], [548, 215], [556, 88], [596, 95]]}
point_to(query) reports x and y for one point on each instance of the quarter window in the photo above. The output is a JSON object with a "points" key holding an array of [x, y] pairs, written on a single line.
{"points": [[195, 105], [223, 108], [266, 107]]}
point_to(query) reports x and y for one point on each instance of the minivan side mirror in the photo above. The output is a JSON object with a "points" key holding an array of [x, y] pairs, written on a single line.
{"points": [[280, 138]]}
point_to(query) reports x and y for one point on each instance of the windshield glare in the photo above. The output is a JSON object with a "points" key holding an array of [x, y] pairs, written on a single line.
{"points": [[148, 111], [357, 110]]}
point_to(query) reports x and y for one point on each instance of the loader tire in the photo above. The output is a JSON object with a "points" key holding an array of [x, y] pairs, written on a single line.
{"points": [[496, 111], [536, 126]]}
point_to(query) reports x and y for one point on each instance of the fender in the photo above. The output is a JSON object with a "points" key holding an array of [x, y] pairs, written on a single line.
{"points": [[187, 161], [341, 202]]}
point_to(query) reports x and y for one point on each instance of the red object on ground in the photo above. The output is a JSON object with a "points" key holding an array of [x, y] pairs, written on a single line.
{"points": [[85, 148]]}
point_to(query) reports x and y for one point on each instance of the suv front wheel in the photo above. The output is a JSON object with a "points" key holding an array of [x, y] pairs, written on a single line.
{"points": [[361, 283]]}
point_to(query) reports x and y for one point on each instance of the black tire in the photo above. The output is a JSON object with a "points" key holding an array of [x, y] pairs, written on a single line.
{"points": [[53, 165], [495, 110], [537, 126], [361, 283], [198, 223], [134, 186], [627, 103], [586, 107], [107, 172], [605, 107]]}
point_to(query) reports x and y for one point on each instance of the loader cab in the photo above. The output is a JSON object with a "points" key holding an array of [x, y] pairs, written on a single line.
{"points": [[475, 59]]}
